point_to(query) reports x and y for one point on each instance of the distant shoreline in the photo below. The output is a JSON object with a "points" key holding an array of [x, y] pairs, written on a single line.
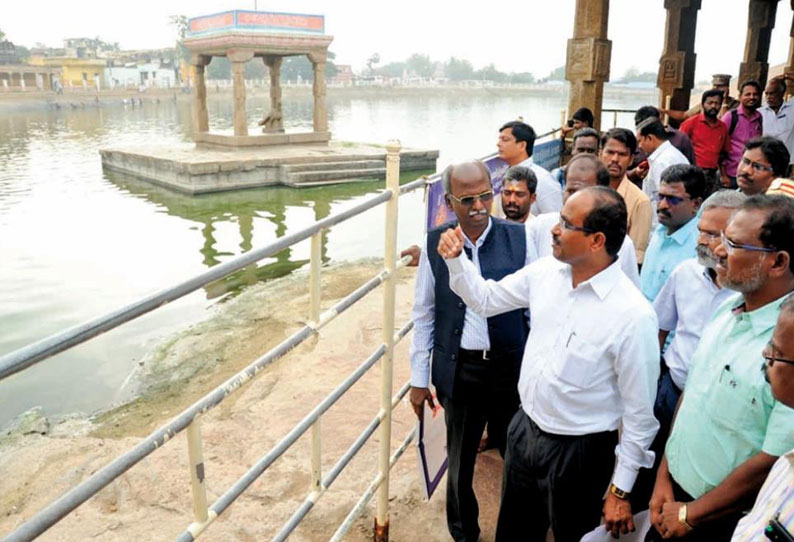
{"points": [[38, 100]]}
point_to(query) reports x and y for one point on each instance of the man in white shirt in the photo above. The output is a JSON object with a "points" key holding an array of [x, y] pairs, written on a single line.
{"points": [[590, 366], [515, 144], [779, 115], [685, 303], [584, 170], [653, 138]]}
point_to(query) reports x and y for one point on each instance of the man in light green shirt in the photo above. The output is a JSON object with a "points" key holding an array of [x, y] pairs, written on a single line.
{"points": [[729, 429]]}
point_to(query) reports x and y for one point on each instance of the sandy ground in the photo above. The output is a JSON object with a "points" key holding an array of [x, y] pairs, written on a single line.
{"points": [[152, 501]]}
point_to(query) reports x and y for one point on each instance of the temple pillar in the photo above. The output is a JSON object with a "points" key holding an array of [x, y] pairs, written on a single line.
{"points": [[789, 68], [677, 64], [760, 22], [318, 60], [274, 122], [200, 115], [588, 57], [238, 60]]}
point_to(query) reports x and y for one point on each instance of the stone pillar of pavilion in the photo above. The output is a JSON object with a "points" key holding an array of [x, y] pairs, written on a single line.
{"points": [[274, 122], [677, 64], [318, 60], [200, 115], [760, 22], [238, 59], [589, 53], [789, 68]]}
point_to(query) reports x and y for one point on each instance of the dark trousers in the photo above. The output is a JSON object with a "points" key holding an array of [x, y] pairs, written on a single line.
{"points": [[667, 394], [552, 480], [485, 392], [718, 530]]}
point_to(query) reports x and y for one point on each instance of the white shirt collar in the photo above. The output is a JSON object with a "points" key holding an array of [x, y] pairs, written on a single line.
{"points": [[659, 150], [602, 282], [480, 239]]}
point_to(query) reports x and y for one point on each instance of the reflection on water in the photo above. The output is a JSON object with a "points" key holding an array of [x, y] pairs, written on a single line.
{"points": [[77, 242]]}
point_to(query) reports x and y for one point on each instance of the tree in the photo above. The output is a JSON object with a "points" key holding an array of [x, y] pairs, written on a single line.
{"points": [[421, 65], [459, 70], [392, 69], [181, 54], [2, 35], [522, 78], [490, 73], [371, 61], [633, 74], [557, 74]]}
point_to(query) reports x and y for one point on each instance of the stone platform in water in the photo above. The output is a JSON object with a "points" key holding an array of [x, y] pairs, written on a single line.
{"points": [[195, 169]]}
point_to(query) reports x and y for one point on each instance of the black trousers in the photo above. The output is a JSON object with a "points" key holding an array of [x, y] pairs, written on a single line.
{"points": [[553, 480], [718, 530], [486, 391], [667, 394]]}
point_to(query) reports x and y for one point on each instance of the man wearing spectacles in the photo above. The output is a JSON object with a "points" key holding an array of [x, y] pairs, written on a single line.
{"points": [[764, 159], [728, 429], [775, 501], [680, 194], [580, 380], [684, 305], [475, 360]]}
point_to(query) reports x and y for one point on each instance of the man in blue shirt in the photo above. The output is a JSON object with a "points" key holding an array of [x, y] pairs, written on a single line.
{"points": [[674, 239]]}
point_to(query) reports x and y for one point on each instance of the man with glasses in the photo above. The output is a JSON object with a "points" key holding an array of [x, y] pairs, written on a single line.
{"points": [[728, 429], [617, 148], [684, 305], [579, 381], [779, 115], [673, 241], [764, 159], [475, 360], [774, 508], [584, 170]]}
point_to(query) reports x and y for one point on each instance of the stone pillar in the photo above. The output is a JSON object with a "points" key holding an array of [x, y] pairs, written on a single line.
{"points": [[677, 65], [274, 122], [789, 68], [22, 81], [200, 116], [589, 53], [320, 109], [238, 60], [760, 22]]}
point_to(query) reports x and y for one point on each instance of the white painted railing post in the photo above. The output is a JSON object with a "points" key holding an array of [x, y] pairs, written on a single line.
{"points": [[389, 263], [196, 459], [314, 316]]}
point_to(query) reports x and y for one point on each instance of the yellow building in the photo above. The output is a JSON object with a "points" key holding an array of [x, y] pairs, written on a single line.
{"points": [[74, 71]]}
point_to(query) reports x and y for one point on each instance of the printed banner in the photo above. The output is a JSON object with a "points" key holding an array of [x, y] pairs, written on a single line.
{"points": [[546, 155]]}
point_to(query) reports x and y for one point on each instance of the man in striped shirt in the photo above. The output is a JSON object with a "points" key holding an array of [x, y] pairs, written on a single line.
{"points": [[776, 500]]}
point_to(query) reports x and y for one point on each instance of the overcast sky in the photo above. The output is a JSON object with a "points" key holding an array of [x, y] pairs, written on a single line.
{"points": [[515, 36]]}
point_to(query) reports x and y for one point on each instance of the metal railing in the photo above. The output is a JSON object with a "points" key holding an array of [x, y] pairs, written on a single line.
{"points": [[189, 419]]}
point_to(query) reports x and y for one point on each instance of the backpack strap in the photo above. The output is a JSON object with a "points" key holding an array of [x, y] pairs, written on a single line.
{"points": [[734, 121]]}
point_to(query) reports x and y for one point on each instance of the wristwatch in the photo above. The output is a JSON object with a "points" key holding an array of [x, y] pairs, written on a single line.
{"points": [[617, 492], [682, 517]]}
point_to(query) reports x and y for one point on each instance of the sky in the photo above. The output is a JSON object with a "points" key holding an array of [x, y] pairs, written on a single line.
{"points": [[515, 36]]}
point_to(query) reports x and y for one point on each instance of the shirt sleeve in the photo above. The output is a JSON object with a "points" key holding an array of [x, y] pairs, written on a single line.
{"points": [[779, 438], [640, 231], [549, 194], [487, 297], [664, 304], [637, 369], [423, 317]]}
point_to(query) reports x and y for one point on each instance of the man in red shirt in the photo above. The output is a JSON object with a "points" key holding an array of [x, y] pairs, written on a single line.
{"points": [[709, 136]]}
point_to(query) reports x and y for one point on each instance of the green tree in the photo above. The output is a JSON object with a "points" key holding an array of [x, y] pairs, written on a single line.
{"points": [[2, 35], [490, 73], [458, 69], [371, 61], [421, 65], [392, 69], [557, 74], [180, 54], [522, 78]]}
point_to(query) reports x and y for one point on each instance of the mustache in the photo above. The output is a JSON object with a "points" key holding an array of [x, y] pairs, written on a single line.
{"points": [[705, 256], [663, 212], [474, 212]]}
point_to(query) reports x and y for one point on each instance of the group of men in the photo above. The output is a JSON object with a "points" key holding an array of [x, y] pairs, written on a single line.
{"points": [[617, 339]]}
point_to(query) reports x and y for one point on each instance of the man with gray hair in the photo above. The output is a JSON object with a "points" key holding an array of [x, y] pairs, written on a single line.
{"points": [[476, 360], [684, 304]]}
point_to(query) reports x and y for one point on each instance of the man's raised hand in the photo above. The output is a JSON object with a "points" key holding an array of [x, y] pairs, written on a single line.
{"points": [[450, 244]]}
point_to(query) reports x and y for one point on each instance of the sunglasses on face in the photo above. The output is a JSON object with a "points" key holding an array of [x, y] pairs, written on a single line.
{"points": [[468, 201], [730, 246], [672, 200], [757, 167]]}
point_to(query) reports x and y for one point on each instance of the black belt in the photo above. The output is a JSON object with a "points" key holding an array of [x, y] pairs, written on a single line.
{"points": [[475, 355]]}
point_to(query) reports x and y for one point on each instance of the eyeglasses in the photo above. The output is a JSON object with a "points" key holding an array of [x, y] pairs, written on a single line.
{"points": [[568, 226], [672, 200], [468, 201], [770, 360], [757, 167], [730, 246], [710, 236]]}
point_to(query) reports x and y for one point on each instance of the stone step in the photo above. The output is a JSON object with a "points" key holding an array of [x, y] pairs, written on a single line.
{"points": [[321, 177], [341, 165]]}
